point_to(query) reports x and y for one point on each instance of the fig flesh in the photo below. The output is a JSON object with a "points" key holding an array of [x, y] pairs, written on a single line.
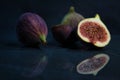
{"points": [[93, 30], [72, 18], [93, 65], [31, 29]]}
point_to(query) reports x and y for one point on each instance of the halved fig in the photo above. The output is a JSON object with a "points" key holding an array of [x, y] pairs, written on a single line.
{"points": [[93, 65], [61, 33], [64, 34], [93, 30]]}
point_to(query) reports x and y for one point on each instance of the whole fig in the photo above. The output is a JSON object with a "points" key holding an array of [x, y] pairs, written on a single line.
{"points": [[31, 29], [72, 18]]}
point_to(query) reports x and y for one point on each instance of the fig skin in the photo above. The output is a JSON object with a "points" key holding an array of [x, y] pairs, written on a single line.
{"points": [[72, 18], [61, 33], [31, 29], [94, 32], [66, 32]]}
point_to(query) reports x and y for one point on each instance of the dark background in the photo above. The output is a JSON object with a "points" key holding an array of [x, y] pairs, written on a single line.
{"points": [[14, 59]]}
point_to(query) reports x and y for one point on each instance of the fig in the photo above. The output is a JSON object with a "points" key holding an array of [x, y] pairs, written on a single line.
{"points": [[66, 32], [31, 29], [61, 33], [72, 18], [94, 31], [93, 65]]}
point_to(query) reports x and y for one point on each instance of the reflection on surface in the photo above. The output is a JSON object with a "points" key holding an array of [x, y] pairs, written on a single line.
{"points": [[23, 65], [19, 63], [37, 69]]}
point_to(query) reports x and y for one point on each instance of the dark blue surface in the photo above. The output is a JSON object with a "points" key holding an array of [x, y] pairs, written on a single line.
{"points": [[17, 63], [55, 62]]}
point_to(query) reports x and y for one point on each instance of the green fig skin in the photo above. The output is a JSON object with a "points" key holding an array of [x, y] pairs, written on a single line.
{"points": [[72, 18], [31, 29]]}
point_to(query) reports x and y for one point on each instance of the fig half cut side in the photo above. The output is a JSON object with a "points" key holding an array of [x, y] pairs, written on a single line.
{"points": [[93, 65], [93, 30]]}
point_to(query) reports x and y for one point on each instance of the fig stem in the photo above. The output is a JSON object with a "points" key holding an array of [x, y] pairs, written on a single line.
{"points": [[95, 73], [43, 38], [97, 16], [72, 9]]}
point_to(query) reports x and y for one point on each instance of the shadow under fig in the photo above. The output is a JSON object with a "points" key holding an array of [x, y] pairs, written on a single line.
{"points": [[74, 42], [9, 45], [79, 46]]}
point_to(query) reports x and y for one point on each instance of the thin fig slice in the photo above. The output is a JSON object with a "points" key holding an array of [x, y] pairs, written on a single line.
{"points": [[93, 30], [93, 65]]}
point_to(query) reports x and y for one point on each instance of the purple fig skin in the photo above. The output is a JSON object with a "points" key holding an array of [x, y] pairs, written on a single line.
{"points": [[62, 33], [31, 29]]}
